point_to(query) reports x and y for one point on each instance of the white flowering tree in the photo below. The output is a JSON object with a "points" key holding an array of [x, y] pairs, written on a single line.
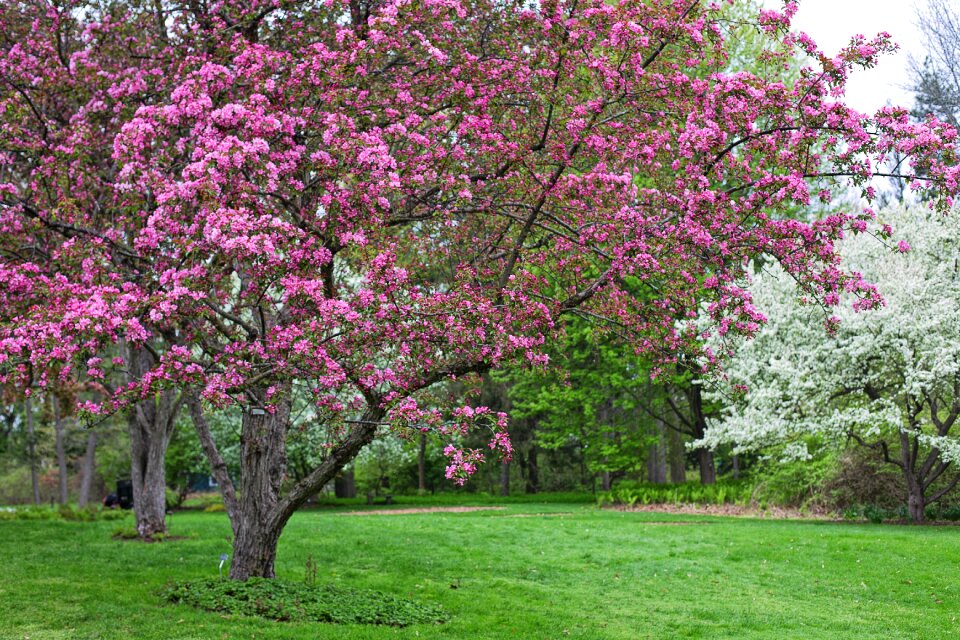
{"points": [[887, 379]]}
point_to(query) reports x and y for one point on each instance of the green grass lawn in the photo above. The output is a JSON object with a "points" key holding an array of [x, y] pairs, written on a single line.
{"points": [[529, 571]]}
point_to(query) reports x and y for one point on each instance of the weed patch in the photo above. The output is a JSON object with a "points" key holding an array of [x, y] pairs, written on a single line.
{"points": [[290, 601]]}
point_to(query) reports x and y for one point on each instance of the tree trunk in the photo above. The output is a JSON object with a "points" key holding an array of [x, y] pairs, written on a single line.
{"points": [[657, 457], [605, 481], [258, 514], [263, 465], [677, 456], [150, 423], [345, 486], [708, 470], [88, 470], [505, 479], [255, 547], [916, 501], [422, 464], [533, 471], [32, 450], [60, 447], [916, 505]]}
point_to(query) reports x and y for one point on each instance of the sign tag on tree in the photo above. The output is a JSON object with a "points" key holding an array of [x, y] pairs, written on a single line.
{"points": [[223, 559]]}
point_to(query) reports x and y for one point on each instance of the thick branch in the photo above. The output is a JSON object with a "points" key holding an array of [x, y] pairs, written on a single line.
{"points": [[217, 465]]}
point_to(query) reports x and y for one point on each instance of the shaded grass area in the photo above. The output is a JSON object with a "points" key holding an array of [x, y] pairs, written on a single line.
{"points": [[448, 499], [528, 571]]}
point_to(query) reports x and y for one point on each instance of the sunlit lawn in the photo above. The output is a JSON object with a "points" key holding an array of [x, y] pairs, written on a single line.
{"points": [[528, 571]]}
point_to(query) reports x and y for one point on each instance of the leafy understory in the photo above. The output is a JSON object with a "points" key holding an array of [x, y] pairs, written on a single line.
{"points": [[291, 601]]}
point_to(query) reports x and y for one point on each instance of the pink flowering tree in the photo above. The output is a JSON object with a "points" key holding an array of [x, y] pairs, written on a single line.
{"points": [[354, 202]]}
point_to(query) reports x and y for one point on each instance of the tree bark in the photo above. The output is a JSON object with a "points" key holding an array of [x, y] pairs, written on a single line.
{"points": [[150, 423], [263, 464], [89, 469], [32, 450], [422, 464], [505, 478], [61, 450]]}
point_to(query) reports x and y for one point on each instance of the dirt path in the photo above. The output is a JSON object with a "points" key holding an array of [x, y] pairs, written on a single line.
{"points": [[402, 512]]}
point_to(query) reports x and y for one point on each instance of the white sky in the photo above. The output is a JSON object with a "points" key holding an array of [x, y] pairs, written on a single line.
{"points": [[831, 23]]}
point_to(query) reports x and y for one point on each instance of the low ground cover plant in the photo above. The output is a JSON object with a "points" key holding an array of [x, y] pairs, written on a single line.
{"points": [[292, 601]]}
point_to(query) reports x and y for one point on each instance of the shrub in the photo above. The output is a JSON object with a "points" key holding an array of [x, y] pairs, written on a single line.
{"points": [[215, 508], [281, 600]]}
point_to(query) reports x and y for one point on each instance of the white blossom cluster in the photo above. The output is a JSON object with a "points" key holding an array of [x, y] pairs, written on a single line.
{"points": [[880, 371]]}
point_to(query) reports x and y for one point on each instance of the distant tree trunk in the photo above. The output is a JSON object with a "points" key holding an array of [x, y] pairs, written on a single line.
{"points": [[657, 457], [916, 504], [533, 470], [345, 485], [736, 467], [708, 471], [677, 456], [422, 464], [89, 469], [605, 481], [150, 423], [60, 448], [505, 478], [32, 450]]}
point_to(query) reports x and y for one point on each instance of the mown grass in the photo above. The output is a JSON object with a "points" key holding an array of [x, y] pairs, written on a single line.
{"points": [[527, 571]]}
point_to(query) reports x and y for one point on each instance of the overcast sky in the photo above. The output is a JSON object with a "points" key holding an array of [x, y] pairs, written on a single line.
{"points": [[831, 23]]}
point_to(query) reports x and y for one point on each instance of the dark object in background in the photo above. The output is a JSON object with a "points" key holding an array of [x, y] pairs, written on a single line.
{"points": [[111, 501], [125, 494]]}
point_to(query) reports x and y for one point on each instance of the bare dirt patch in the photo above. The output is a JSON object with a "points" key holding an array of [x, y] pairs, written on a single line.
{"points": [[402, 512], [774, 513]]}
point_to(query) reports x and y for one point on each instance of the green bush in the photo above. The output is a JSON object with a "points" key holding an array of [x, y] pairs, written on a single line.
{"points": [[793, 484], [215, 508], [281, 600]]}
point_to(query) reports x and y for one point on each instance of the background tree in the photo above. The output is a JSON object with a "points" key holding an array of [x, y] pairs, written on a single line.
{"points": [[887, 379], [936, 76]]}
